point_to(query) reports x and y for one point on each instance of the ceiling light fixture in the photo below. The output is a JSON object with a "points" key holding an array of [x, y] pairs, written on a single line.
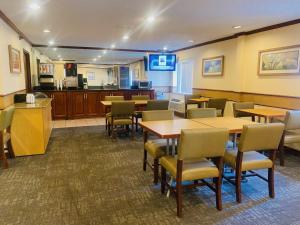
{"points": [[46, 31], [59, 56], [94, 59], [125, 37], [150, 19], [34, 6], [51, 42], [165, 48], [99, 56], [104, 51], [113, 46], [54, 49], [237, 27], [191, 41]]}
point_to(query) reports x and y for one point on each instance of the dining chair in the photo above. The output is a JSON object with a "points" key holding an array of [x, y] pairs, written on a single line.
{"points": [[217, 103], [138, 113], [243, 105], [188, 101], [140, 97], [155, 148], [258, 137], [201, 113], [291, 133], [111, 98], [192, 164], [121, 114], [6, 117]]}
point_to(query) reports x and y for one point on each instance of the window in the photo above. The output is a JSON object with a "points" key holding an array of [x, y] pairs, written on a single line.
{"points": [[185, 76]]}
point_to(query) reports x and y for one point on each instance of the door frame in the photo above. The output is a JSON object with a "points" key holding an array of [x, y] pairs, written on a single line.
{"points": [[27, 71]]}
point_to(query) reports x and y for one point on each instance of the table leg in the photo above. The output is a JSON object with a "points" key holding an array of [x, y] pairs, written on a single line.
{"points": [[173, 146], [170, 183], [168, 146]]}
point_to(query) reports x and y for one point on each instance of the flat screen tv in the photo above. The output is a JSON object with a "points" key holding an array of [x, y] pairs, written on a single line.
{"points": [[162, 62]]}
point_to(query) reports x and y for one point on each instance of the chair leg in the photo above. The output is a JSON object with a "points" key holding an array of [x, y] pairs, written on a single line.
{"points": [[238, 177], [155, 171], [271, 182], [163, 180], [10, 149], [219, 192], [106, 127], [3, 157], [145, 160], [132, 130], [179, 198], [136, 124]]}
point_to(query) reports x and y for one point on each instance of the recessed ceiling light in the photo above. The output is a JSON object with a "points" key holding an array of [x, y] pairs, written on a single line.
{"points": [[51, 42], [113, 46], [34, 6], [99, 56], [150, 19], [104, 51], [46, 31], [59, 56], [54, 49], [94, 59], [191, 41], [165, 48], [60, 59], [125, 37], [237, 27]]}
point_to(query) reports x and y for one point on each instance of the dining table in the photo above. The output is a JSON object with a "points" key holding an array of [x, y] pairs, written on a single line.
{"points": [[268, 114]]}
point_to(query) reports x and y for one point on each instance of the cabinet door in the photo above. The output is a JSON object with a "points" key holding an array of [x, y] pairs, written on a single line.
{"points": [[92, 104], [78, 102], [59, 105]]}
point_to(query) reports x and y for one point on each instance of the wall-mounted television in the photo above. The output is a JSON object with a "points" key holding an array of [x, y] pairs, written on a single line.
{"points": [[162, 62]]}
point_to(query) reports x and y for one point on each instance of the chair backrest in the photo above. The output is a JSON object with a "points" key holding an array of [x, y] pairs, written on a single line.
{"points": [[114, 98], [260, 137], [157, 105], [188, 97], [140, 97], [6, 117], [242, 105], [217, 103], [202, 143], [122, 108], [156, 115], [292, 120], [201, 113]]}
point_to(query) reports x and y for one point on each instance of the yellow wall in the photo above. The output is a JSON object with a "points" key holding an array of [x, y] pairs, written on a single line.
{"points": [[241, 62]]}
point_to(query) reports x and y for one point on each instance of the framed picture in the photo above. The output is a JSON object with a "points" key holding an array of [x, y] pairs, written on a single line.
{"points": [[213, 66], [279, 61], [14, 60]]}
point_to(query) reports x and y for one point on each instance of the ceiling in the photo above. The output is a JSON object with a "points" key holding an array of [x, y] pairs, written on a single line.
{"points": [[100, 23]]}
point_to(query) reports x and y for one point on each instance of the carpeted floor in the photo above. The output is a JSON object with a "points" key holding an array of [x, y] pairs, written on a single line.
{"points": [[87, 178]]}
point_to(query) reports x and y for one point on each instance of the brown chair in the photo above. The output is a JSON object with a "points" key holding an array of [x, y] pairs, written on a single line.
{"points": [[243, 105], [195, 146], [201, 113], [217, 103], [111, 98], [121, 114], [291, 133], [156, 148], [258, 137], [6, 117], [187, 100]]}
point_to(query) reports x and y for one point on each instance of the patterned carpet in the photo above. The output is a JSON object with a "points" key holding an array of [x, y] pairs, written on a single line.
{"points": [[86, 178]]}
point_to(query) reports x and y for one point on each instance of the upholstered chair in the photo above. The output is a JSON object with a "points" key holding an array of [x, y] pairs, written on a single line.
{"points": [[121, 114], [291, 133], [201, 113], [111, 98], [243, 105], [155, 148], [258, 137], [138, 114], [140, 97], [157, 105], [219, 104], [192, 164], [6, 117], [188, 101]]}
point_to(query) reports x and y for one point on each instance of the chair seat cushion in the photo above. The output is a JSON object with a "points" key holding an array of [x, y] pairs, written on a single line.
{"points": [[156, 148], [192, 169], [292, 136], [108, 115], [6, 137], [120, 121], [251, 160]]}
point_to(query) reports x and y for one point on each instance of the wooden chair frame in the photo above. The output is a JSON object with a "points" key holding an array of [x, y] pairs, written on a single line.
{"points": [[112, 130], [2, 149]]}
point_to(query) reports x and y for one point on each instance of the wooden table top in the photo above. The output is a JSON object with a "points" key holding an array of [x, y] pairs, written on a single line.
{"points": [[202, 99], [136, 102], [234, 125], [265, 112], [171, 128]]}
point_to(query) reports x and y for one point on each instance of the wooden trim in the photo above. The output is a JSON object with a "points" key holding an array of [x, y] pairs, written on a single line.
{"points": [[15, 92], [278, 101], [259, 30], [14, 27], [8, 99]]}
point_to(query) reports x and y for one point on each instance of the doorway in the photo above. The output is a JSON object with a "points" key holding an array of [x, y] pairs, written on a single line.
{"points": [[27, 71]]}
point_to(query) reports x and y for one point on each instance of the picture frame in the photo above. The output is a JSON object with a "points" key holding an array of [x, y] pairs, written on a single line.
{"points": [[14, 60], [279, 61], [213, 66]]}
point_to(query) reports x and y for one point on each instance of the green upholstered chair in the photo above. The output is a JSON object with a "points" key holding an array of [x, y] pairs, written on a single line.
{"points": [[111, 98], [201, 113], [191, 164], [243, 105], [155, 148], [291, 132], [121, 114], [217, 103], [6, 117], [138, 114], [258, 137]]}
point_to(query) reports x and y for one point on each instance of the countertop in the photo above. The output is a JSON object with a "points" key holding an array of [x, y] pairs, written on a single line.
{"points": [[39, 103], [94, 89]]}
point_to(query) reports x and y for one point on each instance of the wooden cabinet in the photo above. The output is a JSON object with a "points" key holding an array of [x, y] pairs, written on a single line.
{"points": [[59, 104], [85, 104], [77, 104], [92, 104]]}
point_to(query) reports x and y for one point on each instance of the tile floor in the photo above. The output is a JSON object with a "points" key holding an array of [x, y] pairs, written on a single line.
{"points": [[79, 122]]}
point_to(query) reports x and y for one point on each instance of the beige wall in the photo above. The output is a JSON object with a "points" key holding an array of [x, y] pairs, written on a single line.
{"points": [[101, 76], [241, 60], [10, 82]]}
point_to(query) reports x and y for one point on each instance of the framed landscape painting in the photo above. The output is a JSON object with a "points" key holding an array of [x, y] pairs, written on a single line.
{"points": [[213, 66], [14, 60], [280, 61]]}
